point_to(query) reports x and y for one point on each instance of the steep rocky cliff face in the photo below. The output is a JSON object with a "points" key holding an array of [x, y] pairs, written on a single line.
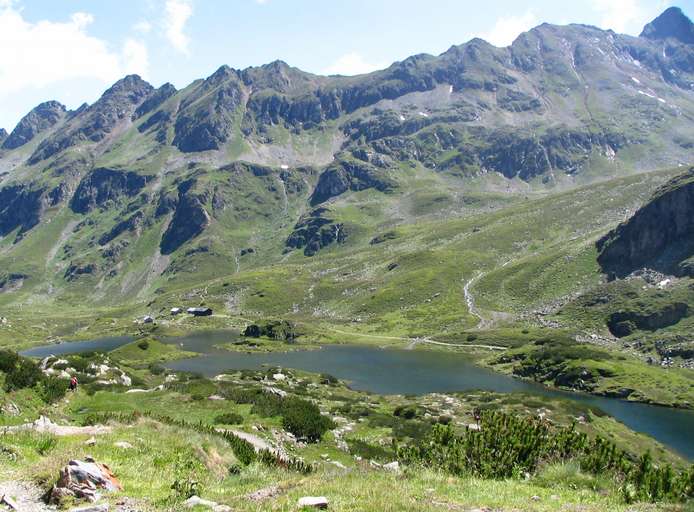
{"points": [[20, 207], [40, 118], [672, 23], [660, 235], [103, 185], [315, 231], [190, 218], [350, 175], [94, 123]]}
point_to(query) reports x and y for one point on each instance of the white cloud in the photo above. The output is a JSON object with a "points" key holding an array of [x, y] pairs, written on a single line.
{"points": [[352, 64], [507, 28], [627, 16], [177, 14], [144, 27], [135, 53], [46, 52]]}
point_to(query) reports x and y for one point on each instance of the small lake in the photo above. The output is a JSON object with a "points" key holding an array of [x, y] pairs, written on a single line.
{"points": [[394, 371]]}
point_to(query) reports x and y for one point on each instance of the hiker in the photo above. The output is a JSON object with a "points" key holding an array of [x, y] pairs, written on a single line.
{"points": [[73, 383]]}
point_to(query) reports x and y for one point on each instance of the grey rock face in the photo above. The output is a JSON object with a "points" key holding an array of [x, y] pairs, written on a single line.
{"points": [[189, 220], [672, 23], [350, 175], [315, 231], [102, 185], [94, 123], [660, 235], [40, 118]]}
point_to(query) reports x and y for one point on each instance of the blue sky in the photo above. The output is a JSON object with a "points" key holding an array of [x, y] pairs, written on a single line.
{"points": [[71, 50]]}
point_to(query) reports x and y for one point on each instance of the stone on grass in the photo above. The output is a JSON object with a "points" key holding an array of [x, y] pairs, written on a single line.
{"points": [[123, 445], [313, 501], [91, 508], [195, 501], [91, 441], [7, 500], [392, 466], [82, 480]]}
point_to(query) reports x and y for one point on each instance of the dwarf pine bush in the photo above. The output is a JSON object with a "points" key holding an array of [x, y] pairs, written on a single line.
{"points": [[510, 446]]}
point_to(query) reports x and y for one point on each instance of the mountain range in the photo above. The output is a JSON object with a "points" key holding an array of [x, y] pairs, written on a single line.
{"points": [[252, 172]]}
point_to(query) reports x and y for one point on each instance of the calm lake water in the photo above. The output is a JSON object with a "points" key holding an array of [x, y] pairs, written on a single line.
{"points": [[392, 371]]}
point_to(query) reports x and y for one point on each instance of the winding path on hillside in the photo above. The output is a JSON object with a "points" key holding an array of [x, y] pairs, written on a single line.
{"points": [[414, 341], [470, 300]]}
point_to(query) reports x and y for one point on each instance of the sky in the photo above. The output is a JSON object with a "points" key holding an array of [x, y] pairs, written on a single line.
{"points": [[72, 50]]}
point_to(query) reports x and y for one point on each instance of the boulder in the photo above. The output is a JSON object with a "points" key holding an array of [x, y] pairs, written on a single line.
{"points": [[92, 508], [196, 501], [313, 501], [83, 480]]}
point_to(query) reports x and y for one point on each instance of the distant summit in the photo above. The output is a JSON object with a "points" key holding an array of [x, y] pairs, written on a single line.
{"points": [[671, 24]]}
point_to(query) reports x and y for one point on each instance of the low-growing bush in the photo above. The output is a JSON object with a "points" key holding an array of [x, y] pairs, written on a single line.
{"points": [[25, 374], [326, 378], [228, 418], [509, 446], [52, 389], [156, 369], [304, 420], [143, 345]]}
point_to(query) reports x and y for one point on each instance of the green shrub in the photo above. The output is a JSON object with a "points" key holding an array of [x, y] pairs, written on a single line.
{"points": [[26, 374], [156, 369], [52, 389], [304, 420], [406, 412], [8, 360], [370, 451], [326, 378], [185, 488], [45, 444], [143, 345], [510, 446], [229, 418]]}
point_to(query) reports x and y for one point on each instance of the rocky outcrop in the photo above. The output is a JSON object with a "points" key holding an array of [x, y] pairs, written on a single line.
{"points": [[206, 118], [350, 175], [40, 118], [131, 224], [154, 100], [624, 323], [94, 123], [3, 136], [660, 235], [103, 185], [315, 231], [671, 24], [189, 219], [76, 270], [83, 480], [12, 281], [21, 206]]}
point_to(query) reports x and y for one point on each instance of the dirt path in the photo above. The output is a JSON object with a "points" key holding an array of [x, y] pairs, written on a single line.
{"points": [[26, 495], [257, 442], [414, 341], [44, 424], [470, 300]]}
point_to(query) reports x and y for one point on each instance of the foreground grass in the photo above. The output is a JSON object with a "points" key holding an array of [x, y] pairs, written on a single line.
{"points": [[161, 455]]}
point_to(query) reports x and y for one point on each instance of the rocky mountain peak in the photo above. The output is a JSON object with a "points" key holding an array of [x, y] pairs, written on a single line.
{"points": [[40, 118], [671, 24], [131, 86]]}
